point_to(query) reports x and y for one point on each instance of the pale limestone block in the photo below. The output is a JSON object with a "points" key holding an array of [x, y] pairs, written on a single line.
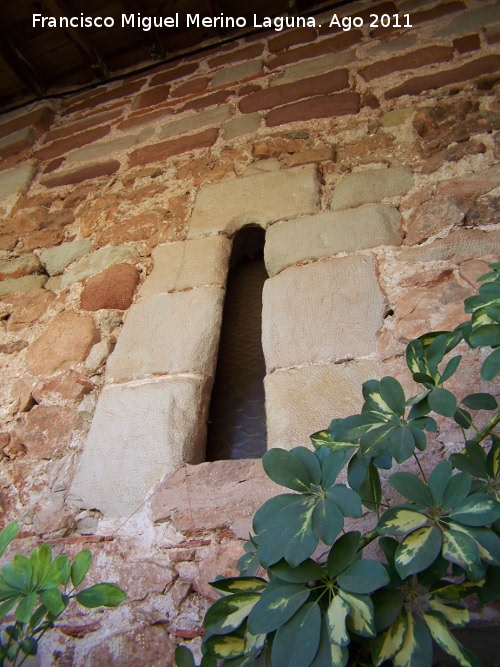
{"points": [[169, 334], [257, 200], [242, 125], [55, 260], [24, 284], [24, 137], [327, 234], [474, 19], [139, 435], [107, 148], [396, 116], [214, 116], [15, 180], [314, 67], [323, 312], [372, 185], [301, 401], [237, 73], [202, 261], [96, 262]]}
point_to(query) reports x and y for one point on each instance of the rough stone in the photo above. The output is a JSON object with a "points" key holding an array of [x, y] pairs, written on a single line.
{"points": [[237, 73], [243, 125], [457, 246], [327, 234], [79, 174], [453, 154], [16, 142], [139, 435], [312, 155], [98, 355], [201, 261], [169, 334], [474, 19], [106, 148], [301, 401], [46, 431], [97, 262], [161, 151], [29, 309], [255, 200], [66, 341], [473, 269], [25, 284], [55, 260], [129, 649], [313, 67], [432, 217], [61, 389], [323, 312], [112, 288], [13, 181], [17, 267], [214, 116], [396, 117], [372, 185]]}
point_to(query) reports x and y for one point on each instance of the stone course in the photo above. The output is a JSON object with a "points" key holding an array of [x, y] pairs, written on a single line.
{"points": [[13, 181], [371, 185], [96, 262]]}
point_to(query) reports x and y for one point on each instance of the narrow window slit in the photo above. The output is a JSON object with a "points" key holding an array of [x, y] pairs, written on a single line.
{"points": [[237, 419]]}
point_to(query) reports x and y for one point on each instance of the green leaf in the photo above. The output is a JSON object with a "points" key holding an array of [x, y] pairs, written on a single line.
{"points": [[371, 491], [491, 366], [307, 571], [225, 646], [363, 576], [477, 510], [400, 521], [105, 595], [331, 466], [357, 471], [7, 535], [347, 500], [329, 655], [58, 573], [276, 606], [402, 442], [360, 618], [343, 553], [461, 549], [377, 440], [239, 584], [435, 352], [336, 616], [418, 551], [327, 520], [486, 336], [445, 640], [450, 591], [386, 645], [463, 418], [416, 650], [442, 401], [385, 396], [13, 578], [285, 469], [310, 462], [5, 607], [388, 604], [52, 599], [80, 567], [493, 458], [450, 368], [487, 541], [25, 608], [268, 511], [455, 614], [298, 638], [438, 481], [228, 613], [480, 401], [41, 558], [456, 490], [411, 487], [183, 657]]}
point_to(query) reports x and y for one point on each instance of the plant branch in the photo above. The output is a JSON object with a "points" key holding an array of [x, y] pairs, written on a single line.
{"points": [[487, 429]]}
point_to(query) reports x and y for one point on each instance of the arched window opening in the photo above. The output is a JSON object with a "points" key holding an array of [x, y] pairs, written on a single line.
{"points": [[237, 418]]}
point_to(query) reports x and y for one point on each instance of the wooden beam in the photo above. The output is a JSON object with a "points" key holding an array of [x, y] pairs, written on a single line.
{"points": [[152, 37], [19, 65], [57, 9]]}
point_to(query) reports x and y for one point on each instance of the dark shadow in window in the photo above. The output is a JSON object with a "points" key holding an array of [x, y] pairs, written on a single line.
{"points": [[237, 419]]}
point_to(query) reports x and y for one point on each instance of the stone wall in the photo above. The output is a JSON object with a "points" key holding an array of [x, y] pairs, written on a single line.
{"points": [[369, 156]]}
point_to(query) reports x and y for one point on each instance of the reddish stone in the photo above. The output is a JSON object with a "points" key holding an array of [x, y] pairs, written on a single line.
{"points": [[149, 644], [208, 100], [291, 38], [46, 432], [173, 74], [467, 43], [482, 210], [124, 90], [112, 288], [151, 97], [291, 92], [13, 347], [437, 12], [44, 200], [61, 389], [471, 185], [53, 165], [426, 56], [166, 149], [325, 106], [30, 307], [433, 217], [66, 341], [71, 176], [333, 44], [43, 238], [73, 128], [13, 448], [63, 146], [190, 87], [493, 35], [369, 100], [453, 154], [311, 156], [373, 148], [249, 52], [137, 228], [39, 119], [469, 71], [249, 88]]}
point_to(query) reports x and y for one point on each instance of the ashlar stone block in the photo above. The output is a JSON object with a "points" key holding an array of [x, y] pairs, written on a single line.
{"points": [[168, 334], [96, 262], [372, 185], [214, 116], [201, 261], [140, 433], [327, 234], [55, 260], [15, 180], [258, 200], [320, 313], [301, 401]]}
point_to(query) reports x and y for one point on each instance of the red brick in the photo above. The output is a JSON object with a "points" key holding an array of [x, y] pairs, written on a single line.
{"points": [[39, 119], [383, 8], [17, 147], [63, 146], [249, 52], [191, 87], [291, 92], [141, 118], [249, 88], [493, 35], [124, 90], [467, 72], [310, 156], [325, 106], [166, 149], [80, 174], [437, 12], [467, 43], [291, 38], [369, 100], [330, 45], [72, 128], [151, 97], [53, 165], [173, 74], [426, 56], [208, 100]]}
